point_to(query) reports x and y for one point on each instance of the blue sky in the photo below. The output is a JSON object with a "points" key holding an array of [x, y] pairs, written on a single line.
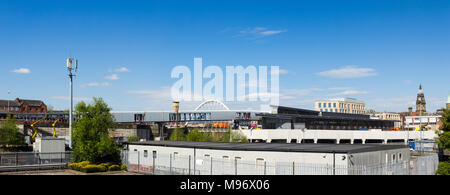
{"points": [[376, 51]]}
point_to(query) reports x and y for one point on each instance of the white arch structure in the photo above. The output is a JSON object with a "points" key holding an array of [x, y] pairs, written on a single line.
{"points": [[212, 104]]}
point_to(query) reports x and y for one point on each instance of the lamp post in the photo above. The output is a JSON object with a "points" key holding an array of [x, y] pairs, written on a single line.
{"points": [[70, 68], [9, 92]]}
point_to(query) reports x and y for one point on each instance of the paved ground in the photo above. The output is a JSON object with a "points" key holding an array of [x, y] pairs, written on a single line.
{"points": [[66, 172]]}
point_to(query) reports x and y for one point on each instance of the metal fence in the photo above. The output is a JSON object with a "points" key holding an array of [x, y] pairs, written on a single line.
{"points": [[25, 161], [168, 164], [425, 164]]}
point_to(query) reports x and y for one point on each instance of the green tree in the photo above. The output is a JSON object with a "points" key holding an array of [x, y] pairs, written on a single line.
{"points": [[444, 142], [177, 135], [91, 133], [196, 136], [9, 133], [236, 137], [133, 138]]}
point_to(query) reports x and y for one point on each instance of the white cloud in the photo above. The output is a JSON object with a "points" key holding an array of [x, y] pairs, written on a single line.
{"points": [[348, 72], [21, 71], [271, 32], [258, 32], [112, 77], [123, 69], [95, 84]]}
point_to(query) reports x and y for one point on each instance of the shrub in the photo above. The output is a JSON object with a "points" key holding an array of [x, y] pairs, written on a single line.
{"points": [[84, 163], [107, 165], [78, 166], [443, 168], [114, 168], [123, 167], [93, 168]]}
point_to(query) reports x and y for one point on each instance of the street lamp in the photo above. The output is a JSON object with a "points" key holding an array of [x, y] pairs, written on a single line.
{"points": [[9, 92], [70, 68]]}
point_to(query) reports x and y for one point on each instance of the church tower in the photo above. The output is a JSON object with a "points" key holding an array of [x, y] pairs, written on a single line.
{"points": [[420, 103]]}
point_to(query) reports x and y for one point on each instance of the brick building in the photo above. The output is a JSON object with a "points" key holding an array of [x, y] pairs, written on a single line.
{"points": [[23, 106]]}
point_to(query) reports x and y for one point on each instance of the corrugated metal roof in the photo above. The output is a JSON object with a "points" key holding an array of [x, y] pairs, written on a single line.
{"points": [[281, 147]]}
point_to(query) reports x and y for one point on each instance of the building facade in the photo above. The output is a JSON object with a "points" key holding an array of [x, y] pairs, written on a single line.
{"points": [[391, 116], [341, 105], [23, 106], [422, 122], [207, 158]]}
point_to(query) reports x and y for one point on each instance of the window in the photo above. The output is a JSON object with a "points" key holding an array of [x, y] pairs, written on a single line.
{"points": [[393, 158], [334, 105], [145, 153], [329, 105], [260, 162], [399, 156], [237, 158], [225, 157], [336, 110], [175, 155], [207, 156], [320, 105]]}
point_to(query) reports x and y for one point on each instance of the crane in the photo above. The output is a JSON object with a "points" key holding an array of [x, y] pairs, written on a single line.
{"points": [[53, 125], [35, 131]]}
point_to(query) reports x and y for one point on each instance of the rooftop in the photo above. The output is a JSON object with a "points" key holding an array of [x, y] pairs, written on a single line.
{"points": [[281, 147]]}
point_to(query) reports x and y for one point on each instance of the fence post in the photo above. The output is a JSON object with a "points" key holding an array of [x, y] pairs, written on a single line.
{"points": [[334, 163], [153, 158], [264, 167], [139, 162], [235, 166], [170, 165], [189, 172], [293, 167]]}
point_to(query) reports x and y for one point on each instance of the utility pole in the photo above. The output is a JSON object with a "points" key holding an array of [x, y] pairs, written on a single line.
{"points": [[69, 68]]}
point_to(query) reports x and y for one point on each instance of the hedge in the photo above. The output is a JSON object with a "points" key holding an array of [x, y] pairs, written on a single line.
{"points": [[87, 167]]}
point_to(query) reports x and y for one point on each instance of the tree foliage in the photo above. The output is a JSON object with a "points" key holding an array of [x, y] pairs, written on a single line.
{"points": [[196, 136], [443, 168], [133, 138], [235, 137], [444, 134], [445, 120], [177, 135], [9, 133], [444, 142], [91, 133]]}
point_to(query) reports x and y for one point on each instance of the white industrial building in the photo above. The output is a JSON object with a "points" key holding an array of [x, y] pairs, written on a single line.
{"points": [[207, 158]]}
